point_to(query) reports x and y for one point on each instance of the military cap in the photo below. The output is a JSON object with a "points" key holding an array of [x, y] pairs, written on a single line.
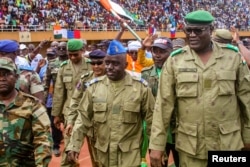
{"points": [[115, 48], [51, 51], [199, 17], [178, 43], [7, 63], [97, 54], [163, 43], [74, 45], [222, 35], [8, 46]]}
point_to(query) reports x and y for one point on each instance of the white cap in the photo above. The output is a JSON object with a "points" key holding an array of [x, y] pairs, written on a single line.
{"points": [[22, 46], [134, 45]]}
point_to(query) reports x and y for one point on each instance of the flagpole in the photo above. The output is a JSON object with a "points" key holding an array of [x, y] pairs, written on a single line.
{"points": [[126, 25]]}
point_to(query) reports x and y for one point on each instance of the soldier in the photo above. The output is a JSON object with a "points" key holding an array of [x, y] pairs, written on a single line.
{"points": [[161, 49], [98, 67], [115, 105], [25, 138], [29, 81], [54, 62], [68, 75], [208, 85]]}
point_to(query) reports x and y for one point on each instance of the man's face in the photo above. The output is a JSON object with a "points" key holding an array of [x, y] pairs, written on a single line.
{"points": [[198, 36], [7, 81], [75, 57], [160, 55], [115, 67], [98, 66], [62, 50], [133, 54]]}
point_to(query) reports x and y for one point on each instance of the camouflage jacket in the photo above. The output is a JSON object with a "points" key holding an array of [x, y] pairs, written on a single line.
{"points": [[25, 138]]}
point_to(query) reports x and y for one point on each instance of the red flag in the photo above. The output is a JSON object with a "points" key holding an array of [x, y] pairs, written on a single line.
{"points": [[77, 34]]}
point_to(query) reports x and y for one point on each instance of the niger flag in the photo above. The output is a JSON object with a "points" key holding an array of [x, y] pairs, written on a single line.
{"points": [[57, 32]]}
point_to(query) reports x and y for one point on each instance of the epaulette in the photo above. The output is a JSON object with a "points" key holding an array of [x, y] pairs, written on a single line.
{"points": [[64, 63], [147, 68], [232, 47], [95, 80], [143, 81], [85, 75], [178, 51]]}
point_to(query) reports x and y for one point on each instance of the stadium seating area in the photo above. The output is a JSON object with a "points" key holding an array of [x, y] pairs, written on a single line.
{"points": [[41, 15]]}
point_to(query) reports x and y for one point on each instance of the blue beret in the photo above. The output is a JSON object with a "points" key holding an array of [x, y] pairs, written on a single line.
{"points": [[199, 17], [8, 46], [97, 54], [115, 48]]}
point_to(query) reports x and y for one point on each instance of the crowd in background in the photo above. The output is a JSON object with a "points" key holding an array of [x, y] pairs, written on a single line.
{"points": [[89, 15]]}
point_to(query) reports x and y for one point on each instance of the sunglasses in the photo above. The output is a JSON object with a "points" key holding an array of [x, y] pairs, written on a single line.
{"points": [[96, 63], [61, 48], [197, 31]]}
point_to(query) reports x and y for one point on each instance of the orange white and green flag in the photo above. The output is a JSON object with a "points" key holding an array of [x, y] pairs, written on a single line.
{"points": [[57, 32]]}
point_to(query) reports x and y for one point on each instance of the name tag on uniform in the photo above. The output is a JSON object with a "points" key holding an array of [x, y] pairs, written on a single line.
{"points": [[187, 69], [207, 83]]}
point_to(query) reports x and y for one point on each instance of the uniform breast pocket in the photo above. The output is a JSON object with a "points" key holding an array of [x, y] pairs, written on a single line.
{"points": [[100, 112], [67, 80], [131, 112], [226, 82], [187, 84]]}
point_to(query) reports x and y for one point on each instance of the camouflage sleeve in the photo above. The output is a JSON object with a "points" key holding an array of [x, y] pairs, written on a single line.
{"points": [[59, 96], [35, 83], [243, 92], [42, 138], [83, 123], [46, 80], [164, 105]]}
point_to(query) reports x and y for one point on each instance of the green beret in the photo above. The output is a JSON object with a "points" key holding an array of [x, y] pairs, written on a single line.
{"points": [[74, 45], [199, 17]]}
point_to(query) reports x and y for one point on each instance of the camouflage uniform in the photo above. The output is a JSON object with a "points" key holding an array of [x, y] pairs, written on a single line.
{"points": [[66, 82], [211, 102], [49, 84], [25, 139], [116, 111]]}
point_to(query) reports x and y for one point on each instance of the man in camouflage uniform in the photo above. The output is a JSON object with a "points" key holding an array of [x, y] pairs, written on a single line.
{"points": [[29, 81], [98, 67], [115, 105], [54, 62], [209, 85], [161, 49], [68, 76], [25, 138]]}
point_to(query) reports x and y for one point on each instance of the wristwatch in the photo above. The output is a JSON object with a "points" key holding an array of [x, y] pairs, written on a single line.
{"points": [[239, 42]]}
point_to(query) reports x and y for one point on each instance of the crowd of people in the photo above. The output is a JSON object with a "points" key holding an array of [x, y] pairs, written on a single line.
{"points": [[89, 15]]}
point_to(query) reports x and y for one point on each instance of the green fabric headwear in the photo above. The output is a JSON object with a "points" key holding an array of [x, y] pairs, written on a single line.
{"points": [[74, 45], [199, 17]]}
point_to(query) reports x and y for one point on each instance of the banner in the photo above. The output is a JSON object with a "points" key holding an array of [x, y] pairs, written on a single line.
{"points": [[24, 37]]}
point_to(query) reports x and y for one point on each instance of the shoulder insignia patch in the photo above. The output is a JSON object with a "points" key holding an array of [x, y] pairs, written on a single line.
{"points": [[85, 75], [232, 47], [64, 63], [176, 52], [95, 80], [143, 81]]}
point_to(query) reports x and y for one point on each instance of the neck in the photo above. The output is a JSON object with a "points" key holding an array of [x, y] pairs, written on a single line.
{"points": [[205, 50], [7, 98]]}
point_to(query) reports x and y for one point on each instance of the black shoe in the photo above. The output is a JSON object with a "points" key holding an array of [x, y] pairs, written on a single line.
{"points": [[56, 152]]}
